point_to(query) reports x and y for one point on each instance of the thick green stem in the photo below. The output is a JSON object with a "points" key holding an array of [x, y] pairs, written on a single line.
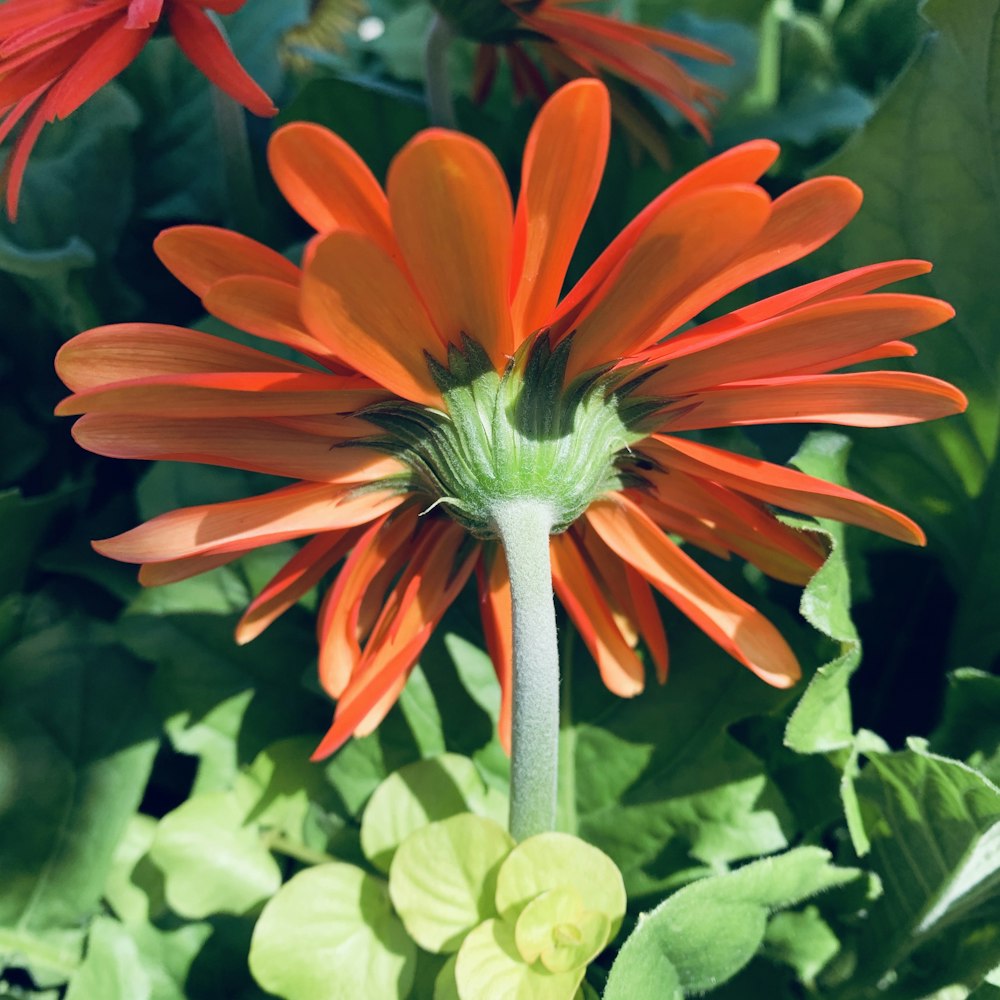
{"points": [[523, 527], [242, 201], [439, 101]]}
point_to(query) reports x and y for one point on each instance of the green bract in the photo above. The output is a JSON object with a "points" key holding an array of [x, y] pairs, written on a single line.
{"points": [[515, 436]]}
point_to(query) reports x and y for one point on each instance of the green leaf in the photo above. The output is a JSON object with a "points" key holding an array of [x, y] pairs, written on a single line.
{"points": [[330, 934], [134, 887], [112, 967], [556, 929], [934, 826], [489, 964], [418, 794], [970, 726], [710, 929], [802, 940], [211, 861], [443, 878], [77, 747]]}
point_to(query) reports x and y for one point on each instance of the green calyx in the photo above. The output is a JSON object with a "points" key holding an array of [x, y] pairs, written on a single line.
{"points": [[514, 436], [491, 21]]}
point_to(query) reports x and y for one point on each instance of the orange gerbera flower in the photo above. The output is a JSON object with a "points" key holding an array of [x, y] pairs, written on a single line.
{"points": [[574, 43], [448, 375], [55, 54]]}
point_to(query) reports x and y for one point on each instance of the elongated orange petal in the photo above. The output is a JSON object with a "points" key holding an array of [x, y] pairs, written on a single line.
{"points": [[202, 42], [386, 543], [781, 486], [676, 253], [297, 577], [737, 627], [810, 336], [254, 445], [328, 184], [743, 164], [199, 256], [496, 611], [158, 574], [228, 394], [264, 307], [452, 214], [19, 17], [563, 162], [357, 301], [428, 587], [126, 351], [291, 512], [858, 399], [621, 670]]}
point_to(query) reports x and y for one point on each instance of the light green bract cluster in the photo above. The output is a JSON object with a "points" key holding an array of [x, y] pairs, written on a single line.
{"points": [[517, 435], [521, 921]]}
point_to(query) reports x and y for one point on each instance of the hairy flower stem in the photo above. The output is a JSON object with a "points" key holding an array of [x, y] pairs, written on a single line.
{"points": [[523, 527], [439, 101]]}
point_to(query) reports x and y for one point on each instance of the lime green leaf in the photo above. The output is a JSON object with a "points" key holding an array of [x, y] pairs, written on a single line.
{"points": [[112, 967], [559, 861], [415, 795], [711, 929], [970, 727], [211, 862], [443, 878], [77, 746], [557, 930], [489, 964], [802, 940], [934, 826], [330, 934], [134, 887]]}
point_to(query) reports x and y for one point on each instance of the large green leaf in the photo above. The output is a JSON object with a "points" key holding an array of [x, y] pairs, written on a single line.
{"points": [[78, 743], [934, 827], [970, 727]]}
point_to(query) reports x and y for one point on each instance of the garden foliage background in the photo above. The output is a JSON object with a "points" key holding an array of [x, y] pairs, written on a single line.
{"points": [[154, 777]]}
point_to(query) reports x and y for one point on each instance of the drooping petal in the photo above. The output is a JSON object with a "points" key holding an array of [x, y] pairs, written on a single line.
{"points": [[858, 399], [201, 41], [563, 163], [143, 13], [297, 577], [452, 214], [496, 611], [621, 670], [816, 334], [783, 487], [328, 184], [357, 301], [254, 445], [291, 512], [199, 256], [739, 629], [677, 252], [173, 570], [122, 352]]}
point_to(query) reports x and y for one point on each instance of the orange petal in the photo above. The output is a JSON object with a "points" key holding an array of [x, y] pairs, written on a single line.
{"points": [[126, 351], [496, 611], [563, 163], [781, 486], [858, 399], [811, 336], [386, 543], [621, 670], [297, 510], [737, 627], [452, 214], [254, 445], [328, 184], [158, 574], [357, 301], [228, 394], [199, 256], [297, 577], [677, 252]]}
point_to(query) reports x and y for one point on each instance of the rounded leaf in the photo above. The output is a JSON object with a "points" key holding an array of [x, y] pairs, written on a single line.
{"points": [[443, 878], [330, 934], [560, 861], [489, 965], [557, 930], [211, 863], [415, 795]]}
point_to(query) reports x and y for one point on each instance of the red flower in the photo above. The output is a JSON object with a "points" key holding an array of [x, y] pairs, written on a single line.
{"points": [[446, 371], [55, 54]]}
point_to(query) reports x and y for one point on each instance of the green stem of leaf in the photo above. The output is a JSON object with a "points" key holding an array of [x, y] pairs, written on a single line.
{"points": [[274, 841], [440, 106], [523, 527]]}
